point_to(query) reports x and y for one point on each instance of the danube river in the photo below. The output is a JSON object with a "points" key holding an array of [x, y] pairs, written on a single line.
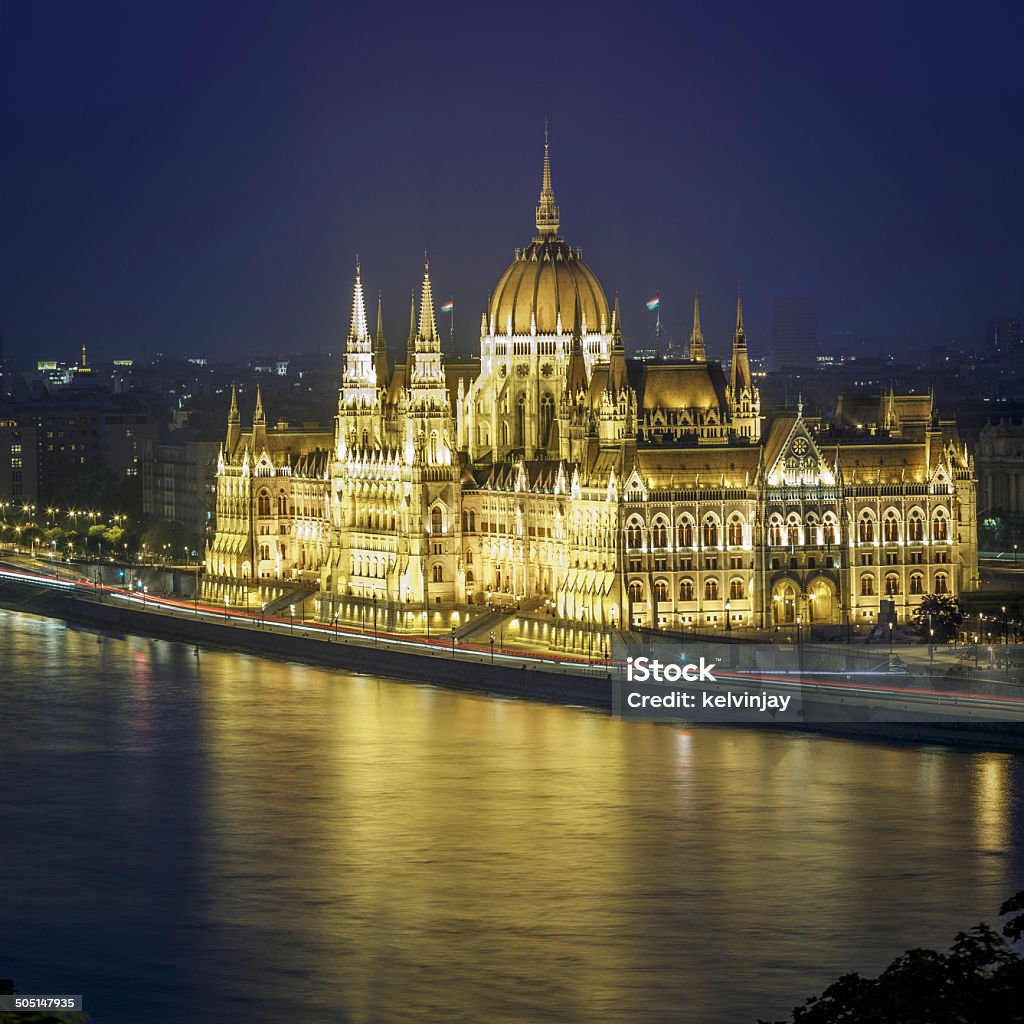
{"points": [[226, 838]]}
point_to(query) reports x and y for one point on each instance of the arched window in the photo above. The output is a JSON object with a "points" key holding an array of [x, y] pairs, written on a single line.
{"points": [[711, 590], [634, 534], [916, 583], [811, 529], [892, 584], [941, 583], [282, 505], [263, 504], [867, 585], [469, 577], [736, 589], [438, 572], [684, 534], [636, 591], [828, 530], [734, 536], [891, 527], [659, 533], [686, 590], [265, 549], [793, 531], [435, 448], [775, 531], [866, 529], [915, 526], [710, 532], [940, 525], [436, 520], [521, 420], [504, 432], [547, 415], [469, 558], [661, 590]]}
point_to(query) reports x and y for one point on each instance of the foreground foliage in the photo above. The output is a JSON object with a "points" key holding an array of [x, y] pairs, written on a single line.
{"points": [[980, 979]]}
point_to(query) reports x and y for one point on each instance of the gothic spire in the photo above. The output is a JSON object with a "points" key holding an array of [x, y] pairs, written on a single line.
{"points": [[380, 325], [739, 370], [234, 424], [547, 211], [618, 378], [380, 352], [428, 323], [259, 424], [697, 353], [358, 331]]}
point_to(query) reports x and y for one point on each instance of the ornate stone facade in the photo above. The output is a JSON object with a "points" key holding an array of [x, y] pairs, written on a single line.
{"points": [[614, 492]]}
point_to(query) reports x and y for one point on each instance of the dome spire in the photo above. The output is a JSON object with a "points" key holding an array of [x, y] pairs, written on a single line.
{"points": [[547, 211]]}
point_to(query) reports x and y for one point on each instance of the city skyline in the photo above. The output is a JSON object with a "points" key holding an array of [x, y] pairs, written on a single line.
{"points": [[165, 194]]}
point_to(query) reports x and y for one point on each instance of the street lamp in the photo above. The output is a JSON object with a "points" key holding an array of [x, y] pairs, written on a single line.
{"points": [[492, 646], [890, 639], [263, 614], [453, 641], [225, 607], [335, 625], [291, 628], [728, 616], [799, 623]]}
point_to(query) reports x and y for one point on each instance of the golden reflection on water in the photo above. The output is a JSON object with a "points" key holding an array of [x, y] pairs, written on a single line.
{"points": [[467, 858], [372, 851]]}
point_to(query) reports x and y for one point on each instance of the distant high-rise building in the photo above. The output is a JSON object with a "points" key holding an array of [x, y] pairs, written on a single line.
{"points": [[1003, 335], [796, 332]]}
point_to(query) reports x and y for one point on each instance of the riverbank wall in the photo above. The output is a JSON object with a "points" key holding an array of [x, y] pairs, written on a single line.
{"points": [[467, 671]]}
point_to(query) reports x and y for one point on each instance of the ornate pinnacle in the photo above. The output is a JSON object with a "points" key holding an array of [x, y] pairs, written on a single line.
{"points": [[547, 211]]}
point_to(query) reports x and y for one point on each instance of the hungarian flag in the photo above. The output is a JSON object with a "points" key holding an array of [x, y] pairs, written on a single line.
{"points": [[653, 304], [448, 306]]}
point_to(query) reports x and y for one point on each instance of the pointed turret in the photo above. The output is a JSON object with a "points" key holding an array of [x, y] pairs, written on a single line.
{"points": [[358, 331], [259, 424], [697, 353], [380, 350], [739, 371], [428, 322], [358, 369], [576, 372], [411, 342], [425, 353], [547, 211], [234, 424], [618, 379]]}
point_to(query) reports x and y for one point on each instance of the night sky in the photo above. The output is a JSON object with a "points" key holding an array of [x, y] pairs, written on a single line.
{"points": [[198, 178]]}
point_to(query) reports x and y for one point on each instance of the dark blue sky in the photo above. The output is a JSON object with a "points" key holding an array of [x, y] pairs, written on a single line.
{"points": [[197, 178]]}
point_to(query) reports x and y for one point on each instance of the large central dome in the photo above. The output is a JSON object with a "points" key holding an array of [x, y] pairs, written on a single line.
{"points": [[546, 279]]}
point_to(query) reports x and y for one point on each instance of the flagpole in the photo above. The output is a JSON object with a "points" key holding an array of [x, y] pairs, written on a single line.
{"points": [[657, 328]]}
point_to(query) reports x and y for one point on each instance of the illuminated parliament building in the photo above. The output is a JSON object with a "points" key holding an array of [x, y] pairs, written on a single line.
{"points": [[559, 474]]}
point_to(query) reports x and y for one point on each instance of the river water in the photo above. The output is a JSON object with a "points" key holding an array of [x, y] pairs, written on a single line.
{"points": [[229, 838]]}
